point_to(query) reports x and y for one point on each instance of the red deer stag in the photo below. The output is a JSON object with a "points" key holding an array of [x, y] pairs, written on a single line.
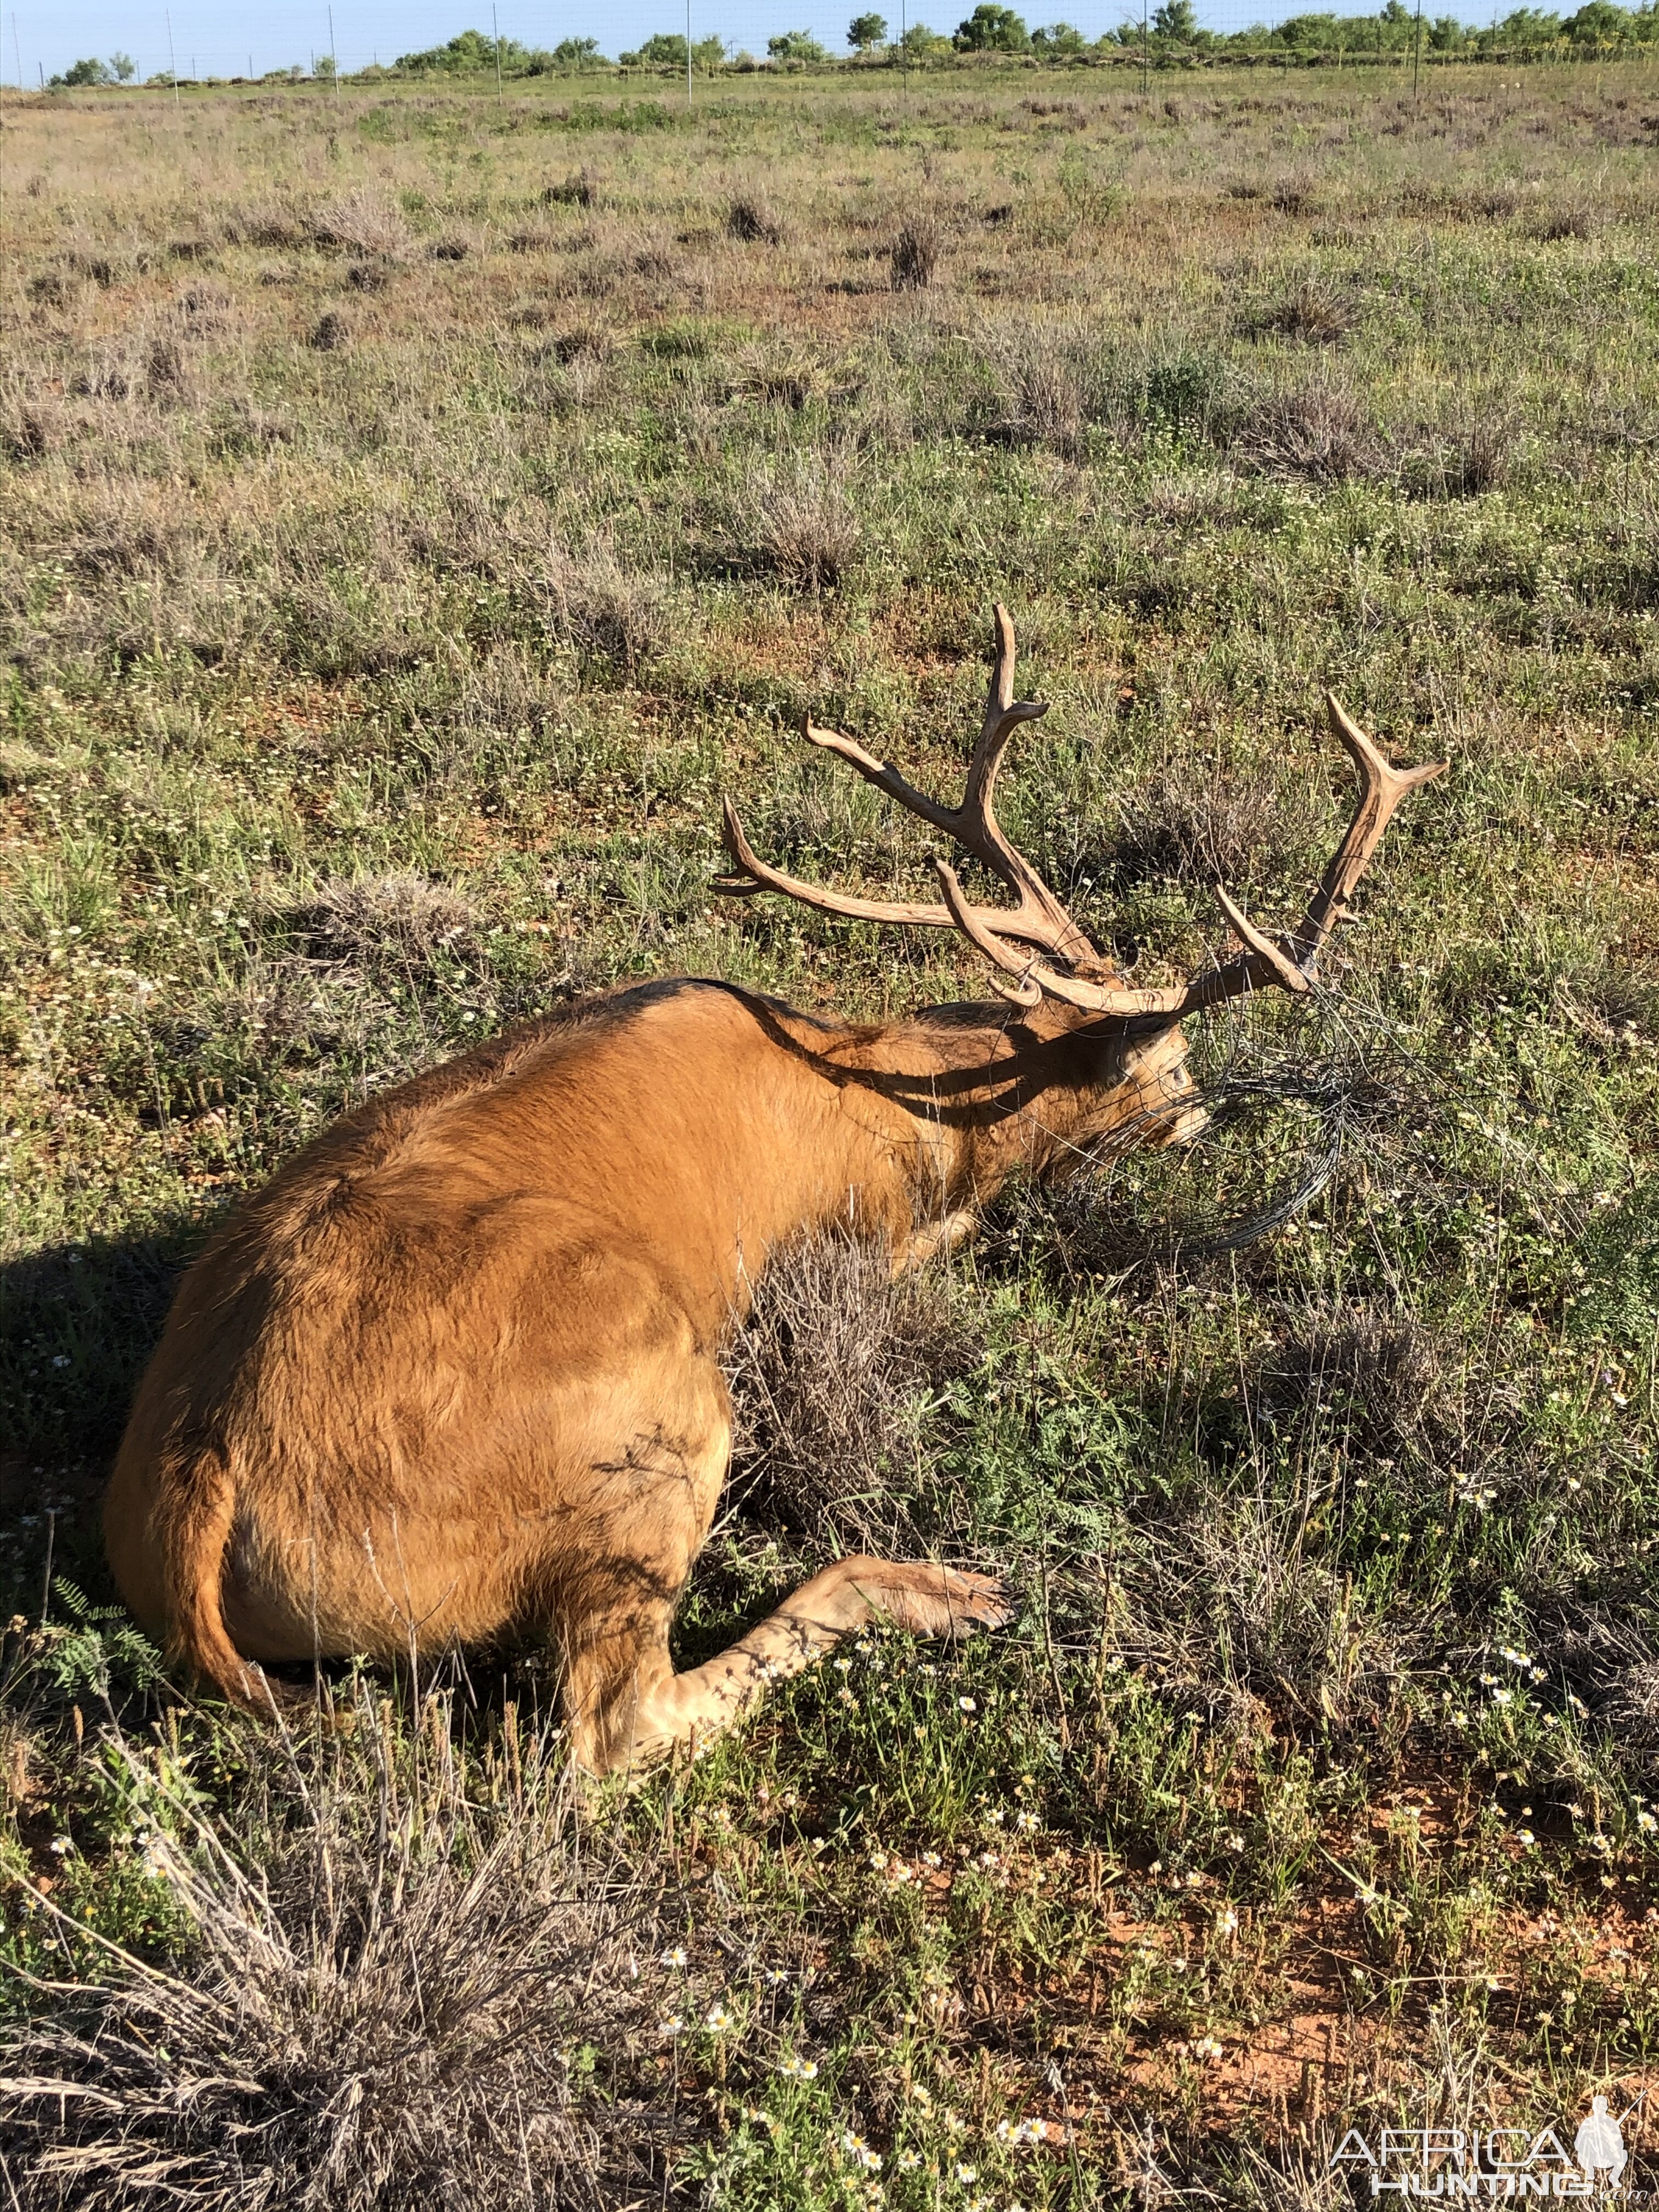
{"points": [[454, 1375]]}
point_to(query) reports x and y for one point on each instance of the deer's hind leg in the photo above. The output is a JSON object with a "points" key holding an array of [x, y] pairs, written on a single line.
{"points": [[626, 1704]]}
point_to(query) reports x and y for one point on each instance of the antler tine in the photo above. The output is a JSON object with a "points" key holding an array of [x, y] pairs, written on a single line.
{"points": [[757, 877], [1381, 787], [1036, 977]]}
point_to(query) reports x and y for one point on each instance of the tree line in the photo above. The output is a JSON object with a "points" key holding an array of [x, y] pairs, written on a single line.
{"points": [[1172, 35]]}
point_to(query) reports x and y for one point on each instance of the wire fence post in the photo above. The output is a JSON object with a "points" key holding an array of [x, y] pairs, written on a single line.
{"points": [[687, 53], [1417, 56], [495, 25], [173, 58], [334, 53], [1145, 56]]}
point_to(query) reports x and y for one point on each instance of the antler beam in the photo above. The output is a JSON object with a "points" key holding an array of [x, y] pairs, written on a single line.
{"points": [[1014, 939]]}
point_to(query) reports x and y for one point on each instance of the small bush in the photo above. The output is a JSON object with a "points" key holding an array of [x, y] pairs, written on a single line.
{"points": [[1044, 390], [829, 1378], [167, 372], [1319, 433], [376, 2010], [610, 610], [577, 190], [1293, 195], [914, 256], [798, 518], [750, 220], [364, 223], [1311, 314], [366, 922], [1188, 823], [1560, 224], [332, 333]]}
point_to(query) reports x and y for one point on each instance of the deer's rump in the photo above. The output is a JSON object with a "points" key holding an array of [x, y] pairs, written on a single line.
{"points": [[415, 1448]]}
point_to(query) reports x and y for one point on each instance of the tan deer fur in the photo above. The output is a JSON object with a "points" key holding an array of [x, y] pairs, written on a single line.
{"points": [[451, 1377]]}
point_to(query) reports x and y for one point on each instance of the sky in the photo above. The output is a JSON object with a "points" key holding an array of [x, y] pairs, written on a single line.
{"points": [[235, 38]]}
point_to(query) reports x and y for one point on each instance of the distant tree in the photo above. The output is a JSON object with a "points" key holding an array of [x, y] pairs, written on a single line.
{"points": [[919, 43], [1178, 21], [87, 72], [468, 53], [866, 31], [1446, 35], [1598, 23], [796, 47], [662, 50], [576, 53], [1061, 39], [123, 68], [1527, 26], [992, 29], [323, 67]]}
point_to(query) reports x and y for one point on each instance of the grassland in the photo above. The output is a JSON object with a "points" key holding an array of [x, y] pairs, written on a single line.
{"points": [[418, 510]]}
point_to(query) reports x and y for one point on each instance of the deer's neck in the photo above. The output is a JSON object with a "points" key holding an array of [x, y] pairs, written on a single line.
{"points": [[955, 1100]]}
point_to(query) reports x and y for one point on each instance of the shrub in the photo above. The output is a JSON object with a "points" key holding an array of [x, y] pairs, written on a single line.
{"points": [[749, 219], [829, 1377], [799, 518], [797, 47], [373, 2013], [1320, 432], [914, 256]]}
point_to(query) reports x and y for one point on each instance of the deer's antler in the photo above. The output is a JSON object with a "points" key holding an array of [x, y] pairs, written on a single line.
{"points": [[1022, 942]]}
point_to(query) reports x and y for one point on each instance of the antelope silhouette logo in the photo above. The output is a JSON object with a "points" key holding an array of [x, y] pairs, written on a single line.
{"points": [[1599, 2144]]}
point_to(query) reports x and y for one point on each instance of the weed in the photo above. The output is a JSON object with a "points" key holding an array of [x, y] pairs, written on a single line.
{"points": [[831, 1375], [751, 221], [914, 256]]}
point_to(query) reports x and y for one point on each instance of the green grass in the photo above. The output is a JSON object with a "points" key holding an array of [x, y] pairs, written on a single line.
{"points": [[361, 698]]}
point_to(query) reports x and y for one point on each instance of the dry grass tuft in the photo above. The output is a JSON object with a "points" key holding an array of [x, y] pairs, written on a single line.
{"points": [[1294, 195], [829, 1378], [1376, 1374], [914, 256], [1239, 1616], [800, 517], [577, 190], [364, 221], [1186, 822], [367, 920], [1311, 314], [1465, 464], [382, 2006], [1044, 388], [1560, 224], [751, 221], [1319, 433], [606, 607]]}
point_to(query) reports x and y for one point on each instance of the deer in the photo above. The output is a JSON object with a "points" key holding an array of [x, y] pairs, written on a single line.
{"points": [[452, 1378]]}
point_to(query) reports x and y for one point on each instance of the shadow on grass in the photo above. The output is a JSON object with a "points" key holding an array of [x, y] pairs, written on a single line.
{"points": [[77, 1323]]}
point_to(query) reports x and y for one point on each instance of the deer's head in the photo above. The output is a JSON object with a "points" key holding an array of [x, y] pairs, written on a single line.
{"points": [[1042, 961]]}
